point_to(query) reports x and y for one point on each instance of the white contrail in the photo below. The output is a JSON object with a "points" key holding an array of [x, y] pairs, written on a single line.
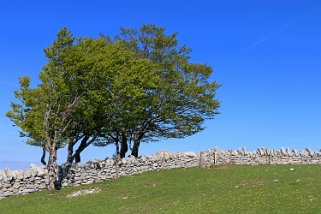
{"points": [[269, 35]]}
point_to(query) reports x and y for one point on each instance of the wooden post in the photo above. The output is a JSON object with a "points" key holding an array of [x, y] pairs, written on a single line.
{"points": [[117, 165], [163, 157], [301, 158], [163, 160], [214, 156], [200, 160]]}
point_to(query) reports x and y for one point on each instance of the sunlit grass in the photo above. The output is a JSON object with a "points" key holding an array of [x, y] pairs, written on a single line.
{"points": [[225, 189]]}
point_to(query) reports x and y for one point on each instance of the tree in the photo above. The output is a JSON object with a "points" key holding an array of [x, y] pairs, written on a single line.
{"points": [[44, 114], [111, 78], [184, 97], [138, 87], [121, 82]]}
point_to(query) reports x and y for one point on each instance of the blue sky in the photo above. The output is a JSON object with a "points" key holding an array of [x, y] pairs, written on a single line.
{"points": [[267, 55]]}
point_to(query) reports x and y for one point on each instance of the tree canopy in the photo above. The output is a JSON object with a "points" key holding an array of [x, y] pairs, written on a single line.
{"points": [[184, 97], [137, 87]]}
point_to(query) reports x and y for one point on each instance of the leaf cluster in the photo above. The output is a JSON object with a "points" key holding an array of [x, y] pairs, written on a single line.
{"points": [[140, 83]]}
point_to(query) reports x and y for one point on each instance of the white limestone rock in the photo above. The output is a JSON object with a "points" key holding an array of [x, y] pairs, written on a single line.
{"points": [[163, 154], [310, 152], [3, 176], [295, 152], [282, 151], [19, 174], [10, 175], [190, 155]]}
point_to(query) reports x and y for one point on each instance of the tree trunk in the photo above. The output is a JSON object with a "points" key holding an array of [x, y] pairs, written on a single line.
{"points": [[70, 158], [43, 157], [52, 167], [117, 148], [136, 147], [82, 146], [77, 157], [124, 145]]}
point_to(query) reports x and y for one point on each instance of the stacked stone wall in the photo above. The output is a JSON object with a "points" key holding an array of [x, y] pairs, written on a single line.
{"points": [[20, 182]]}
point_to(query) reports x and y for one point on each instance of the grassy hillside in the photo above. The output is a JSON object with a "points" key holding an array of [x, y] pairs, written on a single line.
{"points": [[224, 189]]}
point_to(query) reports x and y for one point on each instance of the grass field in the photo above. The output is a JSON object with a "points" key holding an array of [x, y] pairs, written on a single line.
{"points": [[223, 189]]}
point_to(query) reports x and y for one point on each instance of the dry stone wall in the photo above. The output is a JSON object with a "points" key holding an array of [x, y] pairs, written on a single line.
{"points": [[19, 182]]}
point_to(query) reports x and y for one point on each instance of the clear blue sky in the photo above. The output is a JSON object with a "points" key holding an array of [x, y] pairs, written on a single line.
{"points": [[267, 55]]}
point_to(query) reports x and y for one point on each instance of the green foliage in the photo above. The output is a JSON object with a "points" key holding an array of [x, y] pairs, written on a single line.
{"points": [[45, 110], [141, 84], [183, 97], [22, 114], [224, 189]]}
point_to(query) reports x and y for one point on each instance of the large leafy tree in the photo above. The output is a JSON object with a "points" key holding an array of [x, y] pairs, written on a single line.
{"points": [[86, 95], [113, 77], [45, 113], [139, 87], [183, 98]]}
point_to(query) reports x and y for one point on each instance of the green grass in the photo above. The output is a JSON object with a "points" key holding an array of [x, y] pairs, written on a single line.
{"points": [[224, 189]]}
